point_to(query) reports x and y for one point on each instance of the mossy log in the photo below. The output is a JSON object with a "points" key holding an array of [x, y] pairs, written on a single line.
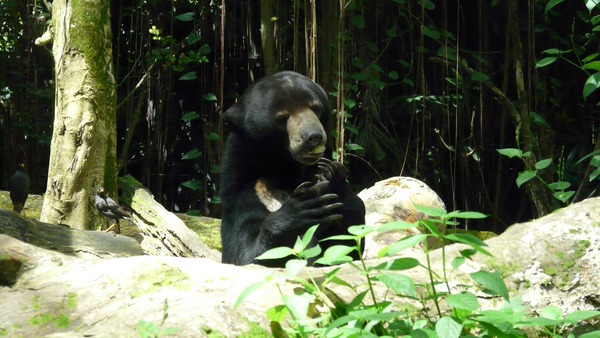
{"points": [[164, 233], [82, 243]]}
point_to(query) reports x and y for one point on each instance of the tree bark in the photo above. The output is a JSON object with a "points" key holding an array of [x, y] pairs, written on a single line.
{"points": [[80, 243], [540, 195], [164, 233], [83, 149], [267, 37]]}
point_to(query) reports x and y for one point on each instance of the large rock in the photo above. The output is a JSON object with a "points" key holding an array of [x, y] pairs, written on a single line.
{"points": [[393, 200], [552, 260]]}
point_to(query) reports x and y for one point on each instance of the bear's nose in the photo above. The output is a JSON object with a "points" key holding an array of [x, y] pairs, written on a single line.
{"points": [[314, 139]]}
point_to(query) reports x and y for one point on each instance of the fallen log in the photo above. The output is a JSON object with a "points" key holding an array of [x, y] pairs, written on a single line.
{"points": [[164, 233], [81, 243]]}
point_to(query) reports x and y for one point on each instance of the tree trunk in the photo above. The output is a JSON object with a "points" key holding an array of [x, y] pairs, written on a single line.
{"points": [[540, 195], [83, 149], [267, 37]]}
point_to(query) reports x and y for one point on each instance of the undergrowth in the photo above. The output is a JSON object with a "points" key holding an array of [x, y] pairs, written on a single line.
{"points": [[432, 309]]}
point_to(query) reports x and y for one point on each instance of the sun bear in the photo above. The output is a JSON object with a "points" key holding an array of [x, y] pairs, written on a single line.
{"points": [[275, 182]]}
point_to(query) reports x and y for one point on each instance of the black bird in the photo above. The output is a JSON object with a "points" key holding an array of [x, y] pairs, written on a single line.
{"points": [[110, 209], [19, 187]]}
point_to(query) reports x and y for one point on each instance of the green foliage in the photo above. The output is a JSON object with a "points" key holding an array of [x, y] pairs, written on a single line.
{"points": [[368, 316], [559, 188], [151, 330]]}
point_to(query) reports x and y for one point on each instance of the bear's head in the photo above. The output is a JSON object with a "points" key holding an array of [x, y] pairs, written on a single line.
{"points": [[281, 114]]}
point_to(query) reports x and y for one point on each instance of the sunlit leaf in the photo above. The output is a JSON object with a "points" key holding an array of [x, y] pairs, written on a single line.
{"points": [[561, 185], [550, 5], [189, 16], [510, 152], [276, 253], [524, 177], [188, 76], [192, 154], [592, 83], [192, 184], [277, 313], [546, 61], [464, 301], [401, 284], [247, 292], [190, 116], [446, 327], [543, 164], [492, 282]]}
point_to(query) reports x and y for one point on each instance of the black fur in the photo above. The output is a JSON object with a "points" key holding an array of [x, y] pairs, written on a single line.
{"points": [[271, 158]]}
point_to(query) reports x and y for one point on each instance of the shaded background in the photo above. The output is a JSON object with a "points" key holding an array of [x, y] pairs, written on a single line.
{"points": [[412, 108]]}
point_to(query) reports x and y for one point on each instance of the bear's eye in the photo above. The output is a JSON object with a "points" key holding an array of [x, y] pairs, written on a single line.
{"points": [[281, 117], [316, 109]]}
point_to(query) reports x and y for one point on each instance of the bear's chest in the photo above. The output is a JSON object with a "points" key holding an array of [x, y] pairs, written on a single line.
{"points": [[270, 196]]}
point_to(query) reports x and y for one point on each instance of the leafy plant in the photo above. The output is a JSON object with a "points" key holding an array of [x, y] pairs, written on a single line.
{"points": [[368, 316], [151, 330], [559, 188]]}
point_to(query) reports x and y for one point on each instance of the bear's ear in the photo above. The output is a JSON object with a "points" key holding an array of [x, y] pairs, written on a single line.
{"points": [[234, 116]]}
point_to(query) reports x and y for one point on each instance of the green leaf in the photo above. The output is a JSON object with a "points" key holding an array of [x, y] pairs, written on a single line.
{"points": [[398, 264], [189, 116], [212, 136], [552, 312], [358, 21], [209, 97], [205, 49], [192, 154], [470, 240], [298, 304], [524, 177], [591, 4], [589, 58], [402, 244], [552, 51], [401, 284], [594, 65], [308, 236], [430, 211], [511, 152], [189, 16], [192, 184], [543, 164], [247, 292], [349, 103], [427, 4], [577, 316], [550, 5], [353, 147], [466, 215], [446, 327], [193, 38], [464, 301], [336, 254], [546, 61], [590, 86], [393, 75], [276, 253], [360, 231], [480, 77], [431, 32], [294, 266], [311, 252], [593, 334], [492, 282], [188, 76], [277, 313], [563, 196], [395, 226], [561, 185], [595, 174]]}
